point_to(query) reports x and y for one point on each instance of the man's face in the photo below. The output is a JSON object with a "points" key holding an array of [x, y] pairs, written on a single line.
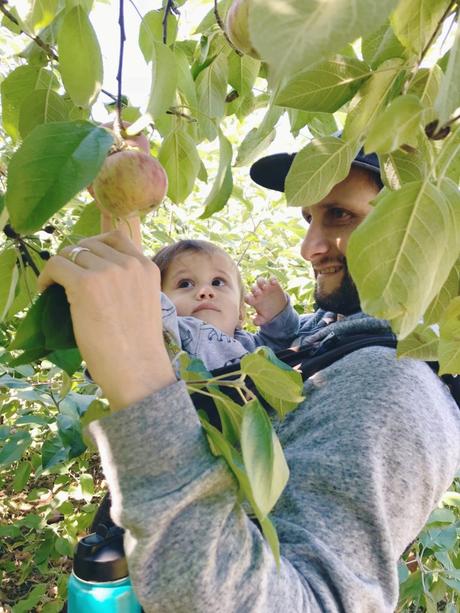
{"points": [[331, 221], [205, 286]]}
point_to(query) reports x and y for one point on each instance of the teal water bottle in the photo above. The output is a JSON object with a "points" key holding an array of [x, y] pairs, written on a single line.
{"points": [[99, 582]]}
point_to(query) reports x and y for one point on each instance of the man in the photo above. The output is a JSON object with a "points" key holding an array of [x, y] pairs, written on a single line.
{"points": [[371, 450]]}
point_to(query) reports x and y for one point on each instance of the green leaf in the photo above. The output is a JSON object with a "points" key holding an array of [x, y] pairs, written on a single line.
{"points": [[396, 275], [316, 169], [415, 21], [69, 430], [448, 160], [400, 167], [211, 87], [270, 535], [263, 457], [296, 34], [323, 124], [399, 124], [54, 163], [15, 88], [231, 416], [33, 598], [258, 139], [242, 72], [87, 486], [164, 80], [421, 344], [449, 290], [26, 289], [372, 97], [425, 85], [63, 547], [9, 275], [56, 322], [451, 499], [449, 343], [96, 410], [381, 45], [29, 334], [185, 82], [280, 386], [41, 106], [209, 20], [67, 359], [80, 59], [223, 183], [151, 31], [88, 224], [326, 87], [27, 357], [15, 447], [53, 452], [21, 476], [192, 369], [179, 157]]}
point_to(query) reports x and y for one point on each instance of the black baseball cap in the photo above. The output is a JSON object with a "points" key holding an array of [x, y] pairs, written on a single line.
{"points": [[271, 170]]}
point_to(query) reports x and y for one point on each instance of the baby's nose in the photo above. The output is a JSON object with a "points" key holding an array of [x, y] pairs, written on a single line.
{"points": [[206, 291]]}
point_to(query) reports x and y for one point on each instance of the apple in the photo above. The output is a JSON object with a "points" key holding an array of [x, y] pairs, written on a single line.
{"points": [[237, 29]]}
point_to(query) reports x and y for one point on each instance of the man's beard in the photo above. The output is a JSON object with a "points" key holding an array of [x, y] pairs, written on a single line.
{"points": [[344, 299]]}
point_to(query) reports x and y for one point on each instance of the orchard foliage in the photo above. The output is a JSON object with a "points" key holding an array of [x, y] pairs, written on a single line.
{"points": [[369, 69]]}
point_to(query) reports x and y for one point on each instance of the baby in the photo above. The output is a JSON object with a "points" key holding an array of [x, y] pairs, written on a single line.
{"points": [[203, 305]]}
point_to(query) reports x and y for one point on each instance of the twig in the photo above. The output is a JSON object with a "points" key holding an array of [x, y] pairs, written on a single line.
{"points": [[436, 31], [169, 8], [36, 39], [117, 124], [25, 255], [221, 25], [114, 98]]}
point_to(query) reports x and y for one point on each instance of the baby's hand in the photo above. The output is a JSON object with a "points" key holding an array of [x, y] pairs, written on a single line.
{"points": [[268, 299]]}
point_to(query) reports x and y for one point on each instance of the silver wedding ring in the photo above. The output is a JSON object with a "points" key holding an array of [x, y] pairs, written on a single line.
{"points": [[73, 253]]}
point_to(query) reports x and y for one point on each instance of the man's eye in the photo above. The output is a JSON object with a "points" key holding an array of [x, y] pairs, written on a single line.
{"points": [[339, 214], [218, 282], [184, 284]]}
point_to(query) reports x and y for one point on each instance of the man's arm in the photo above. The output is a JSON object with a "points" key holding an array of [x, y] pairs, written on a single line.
{"points": [[370, 453]]}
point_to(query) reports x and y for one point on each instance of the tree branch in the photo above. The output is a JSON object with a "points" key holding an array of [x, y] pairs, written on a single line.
{"points": [[448, 10], [36, 39], [117, 124], [169, 8], [221, 25]]}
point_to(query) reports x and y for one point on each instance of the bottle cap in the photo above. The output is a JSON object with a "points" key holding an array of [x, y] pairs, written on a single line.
{"points": [[100, 556]]}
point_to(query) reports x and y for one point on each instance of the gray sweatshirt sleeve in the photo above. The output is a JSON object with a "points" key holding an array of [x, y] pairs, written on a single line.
{"points": [[278, 334], [370, 451]]}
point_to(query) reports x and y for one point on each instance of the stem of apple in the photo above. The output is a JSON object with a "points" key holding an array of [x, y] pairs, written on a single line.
{"points": [[117, 124]]}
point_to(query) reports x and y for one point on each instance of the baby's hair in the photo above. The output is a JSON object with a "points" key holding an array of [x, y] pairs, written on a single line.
{"points": [[166, 255]]}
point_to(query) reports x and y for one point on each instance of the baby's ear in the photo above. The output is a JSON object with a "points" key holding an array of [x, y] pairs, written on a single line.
{"points": [[242, 314]]}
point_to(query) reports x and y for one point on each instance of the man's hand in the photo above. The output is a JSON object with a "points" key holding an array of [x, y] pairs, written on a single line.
{"points": [[114, 296], [268, 299]]}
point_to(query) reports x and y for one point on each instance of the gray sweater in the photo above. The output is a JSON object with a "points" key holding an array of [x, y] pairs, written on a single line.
{"points": [[371, 451]]}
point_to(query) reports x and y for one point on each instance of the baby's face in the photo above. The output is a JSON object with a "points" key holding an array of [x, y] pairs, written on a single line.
{"points": [[205, 286]]}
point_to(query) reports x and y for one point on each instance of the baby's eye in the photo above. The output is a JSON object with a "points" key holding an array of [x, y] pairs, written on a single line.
{"points": [[218, 282], [184, 284]]}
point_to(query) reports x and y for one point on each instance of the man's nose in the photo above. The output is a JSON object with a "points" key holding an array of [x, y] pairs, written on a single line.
{"points": [[205, 291], [315, 243]]}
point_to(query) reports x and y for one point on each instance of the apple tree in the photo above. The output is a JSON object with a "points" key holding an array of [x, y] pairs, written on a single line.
{"points": [[343, 75]]}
